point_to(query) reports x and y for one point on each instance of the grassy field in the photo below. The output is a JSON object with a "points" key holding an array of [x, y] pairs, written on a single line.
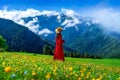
{"points": [[25, 66]]}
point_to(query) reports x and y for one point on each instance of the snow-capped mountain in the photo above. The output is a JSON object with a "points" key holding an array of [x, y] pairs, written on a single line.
{"points": [[82, 34]]}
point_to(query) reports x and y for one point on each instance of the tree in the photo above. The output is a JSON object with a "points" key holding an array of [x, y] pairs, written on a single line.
{"points": [[72, 54], [47, 50], [3, 45], [86, 55]]}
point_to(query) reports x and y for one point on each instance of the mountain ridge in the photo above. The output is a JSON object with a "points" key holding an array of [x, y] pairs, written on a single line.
{"points": [[84, 37]]}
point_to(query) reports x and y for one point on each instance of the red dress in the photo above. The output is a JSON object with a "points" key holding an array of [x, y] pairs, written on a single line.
{"points": [[59, 52]]}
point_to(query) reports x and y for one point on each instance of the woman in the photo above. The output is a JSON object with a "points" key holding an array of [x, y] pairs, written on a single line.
{"points": [[58, 52]]}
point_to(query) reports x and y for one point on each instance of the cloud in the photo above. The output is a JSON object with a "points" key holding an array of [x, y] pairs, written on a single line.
{"points": [[32, 26], [59, 18], [49, 13], [45, 32], [109, 18], [18, 15], [70, 22], [88, 23]]}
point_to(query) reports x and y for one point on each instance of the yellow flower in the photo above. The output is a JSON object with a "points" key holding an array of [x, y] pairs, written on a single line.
{"points": [[71, 73], [20, 72], [89, 72], [101, 76], [70, 68], [98, 79], [54, 70], [82, 74], [75, 75], [79, 78], [48, 75], [39, 68], [93, 78], [3, 63], [33, 73], [119, 78], [87, 76], [7, 69], [84, 69], [18, 62]]}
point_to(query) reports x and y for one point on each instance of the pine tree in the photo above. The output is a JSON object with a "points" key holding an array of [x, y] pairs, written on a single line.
{"points": [[47, 50], [3, 45]]}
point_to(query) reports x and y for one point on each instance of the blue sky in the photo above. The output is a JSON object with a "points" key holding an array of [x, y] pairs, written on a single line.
{"points": [[57, 4]]}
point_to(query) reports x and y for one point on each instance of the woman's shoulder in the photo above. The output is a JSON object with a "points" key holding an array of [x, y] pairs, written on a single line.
{"points": [[59, 35]]}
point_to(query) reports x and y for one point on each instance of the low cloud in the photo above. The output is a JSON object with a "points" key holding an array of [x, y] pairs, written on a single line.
{"points": [[32, 26], [45, 32], [109, 18], [72, 22]]}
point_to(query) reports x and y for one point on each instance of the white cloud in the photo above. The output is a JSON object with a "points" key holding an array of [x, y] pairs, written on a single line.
{"points": [[76, 28], [68, 23], [59, 18], [108, 17], [17, 15], [32, 26], [88, 23], [70, 13], [49, 13], [45, 32], [75, 18]]}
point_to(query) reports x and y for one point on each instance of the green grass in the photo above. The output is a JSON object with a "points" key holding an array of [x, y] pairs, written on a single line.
{"points": [[26, 66]]}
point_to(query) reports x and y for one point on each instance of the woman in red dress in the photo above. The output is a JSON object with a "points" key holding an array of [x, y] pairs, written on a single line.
{"points": [[59, 52]]}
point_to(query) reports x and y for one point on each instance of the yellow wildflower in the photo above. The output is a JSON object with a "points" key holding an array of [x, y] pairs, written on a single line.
{"points": [[75, 75], [101, 76], [84, 69], [79, 78], [98, 79], [70, 68], [48, 75], [33, 73], [87, 76], [89, 72], [93, 78], [119, 78], [82, 74], [7, 69], [3, 63], [39, 68]]}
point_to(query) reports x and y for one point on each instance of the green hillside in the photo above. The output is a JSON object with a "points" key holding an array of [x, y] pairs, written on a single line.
{"points": [[20, 38], [25, 66]]}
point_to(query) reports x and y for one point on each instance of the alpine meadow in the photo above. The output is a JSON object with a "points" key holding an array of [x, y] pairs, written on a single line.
{"points": [[25, 66]]}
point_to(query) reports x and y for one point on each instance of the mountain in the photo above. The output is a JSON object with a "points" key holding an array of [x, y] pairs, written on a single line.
{"points": [[81, 34], [20, 38]]}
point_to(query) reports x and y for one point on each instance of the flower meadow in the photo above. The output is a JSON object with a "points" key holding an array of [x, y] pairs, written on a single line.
{"points": [[25, 66]]}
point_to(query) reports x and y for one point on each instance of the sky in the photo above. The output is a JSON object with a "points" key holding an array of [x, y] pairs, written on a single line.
{"points": [[105, 12], [57, 4]]}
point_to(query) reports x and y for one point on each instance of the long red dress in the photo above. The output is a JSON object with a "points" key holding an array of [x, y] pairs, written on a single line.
{"points": [[59, 52]]}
